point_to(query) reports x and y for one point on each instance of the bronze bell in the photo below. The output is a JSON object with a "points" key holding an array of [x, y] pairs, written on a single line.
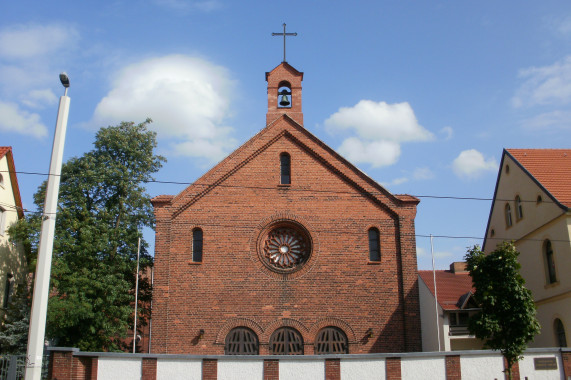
{"points": [[284, 102]]}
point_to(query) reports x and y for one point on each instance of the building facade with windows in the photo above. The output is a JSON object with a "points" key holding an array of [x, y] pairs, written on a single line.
{"points": [[285, 247], [446, 304], [531, 207], [13, 263]]}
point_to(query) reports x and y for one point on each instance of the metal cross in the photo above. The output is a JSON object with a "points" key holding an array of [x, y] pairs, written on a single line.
{"points": [[284, 34]]}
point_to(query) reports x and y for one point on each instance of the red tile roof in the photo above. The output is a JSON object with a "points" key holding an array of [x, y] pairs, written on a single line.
{"points": [[450, 286], [4, 150], [7, 151], [550, 167]]}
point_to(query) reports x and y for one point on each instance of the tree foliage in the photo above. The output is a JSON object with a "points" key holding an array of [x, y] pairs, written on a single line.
{"points": [[14, 329], [507, 320], [102, 208]]}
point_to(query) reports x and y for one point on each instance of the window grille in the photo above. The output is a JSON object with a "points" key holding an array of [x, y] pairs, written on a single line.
{"points": [[374, 245], [241, 341], [286, 341], [331, 340]]}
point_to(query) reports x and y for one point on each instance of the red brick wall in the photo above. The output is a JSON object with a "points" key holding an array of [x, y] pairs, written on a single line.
{"points": [[453, 369], [332, 369], [149, 369], [566, 356], [209, 369], [271, 370], [339, 287], [393, 369]]}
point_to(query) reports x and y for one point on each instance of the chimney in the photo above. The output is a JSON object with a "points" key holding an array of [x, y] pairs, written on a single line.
{"points": [[458, 267]]}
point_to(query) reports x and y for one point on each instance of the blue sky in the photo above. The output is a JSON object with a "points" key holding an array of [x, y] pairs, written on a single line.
{"points": [[422, 96]]}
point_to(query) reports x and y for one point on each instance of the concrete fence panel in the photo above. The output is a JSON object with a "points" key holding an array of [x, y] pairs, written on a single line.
{"points": [[363, 369], [423, 368], [530, 370], [240, 369], [179, 369], [302, 369], [482, 367], [123, 368]]}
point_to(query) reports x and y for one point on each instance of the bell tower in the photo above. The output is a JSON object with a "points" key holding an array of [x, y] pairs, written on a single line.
{"points": [[284, 93]]}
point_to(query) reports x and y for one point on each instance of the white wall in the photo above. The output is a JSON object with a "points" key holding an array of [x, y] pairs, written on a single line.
{"points": [[302, 369], [363, 369], [480, 367], [123, 368], [423, 368], [240, 369], [179, 369], [527, 368]]}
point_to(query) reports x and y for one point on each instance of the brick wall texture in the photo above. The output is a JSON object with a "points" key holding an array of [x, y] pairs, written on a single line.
{"points": [[236, 203]]}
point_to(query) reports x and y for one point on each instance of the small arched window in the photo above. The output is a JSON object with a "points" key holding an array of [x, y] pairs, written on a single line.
{"points": [[518, 208], [285, 169], [549, 262], [286, 341], [508, 211], [284, 95], [197, 245], [331, 340], [241, 341], [559, 330], [374, 245]]}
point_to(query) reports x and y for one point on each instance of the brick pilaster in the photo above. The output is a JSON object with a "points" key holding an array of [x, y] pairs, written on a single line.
{"points": [[60, 365], [566, 358], [393, 369], [149, 369], [453, 370], [209, 369], [271, 369], [515, 370], [332, 369]]}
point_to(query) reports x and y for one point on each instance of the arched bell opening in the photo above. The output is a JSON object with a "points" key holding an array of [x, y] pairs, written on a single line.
{"points": [[284, 95]]}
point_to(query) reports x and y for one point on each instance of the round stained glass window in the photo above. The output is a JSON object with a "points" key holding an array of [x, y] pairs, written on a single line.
{"points": [[285, 247]]}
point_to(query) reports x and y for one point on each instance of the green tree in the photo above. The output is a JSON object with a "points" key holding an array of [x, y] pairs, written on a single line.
{"points": [[14, 329], [102, 208], [507, 320]]}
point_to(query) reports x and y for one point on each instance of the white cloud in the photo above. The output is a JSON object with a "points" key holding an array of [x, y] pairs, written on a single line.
{"points": [[39, 98], [29, 41], [420, 251], [187, 5], [547, 85], [14, 119], [420, 174], [555, 120], [471, 164], [448, 132], [187, 98], [380, 129]]}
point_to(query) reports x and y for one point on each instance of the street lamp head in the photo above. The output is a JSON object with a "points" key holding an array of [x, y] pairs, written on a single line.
{"points": [[64, 79]]}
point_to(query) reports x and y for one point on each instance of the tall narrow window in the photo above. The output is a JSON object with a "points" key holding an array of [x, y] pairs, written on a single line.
{"points": [[9, 286], [2, 221], [286, 341], [508, 211], [331, 340], [549, 262], [197, 245], [241, 341], [559, 330], [285, 163], [374, 245], [518, 208]]}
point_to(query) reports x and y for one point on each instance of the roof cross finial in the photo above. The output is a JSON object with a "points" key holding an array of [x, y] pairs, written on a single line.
{"points": [[284, 34]]}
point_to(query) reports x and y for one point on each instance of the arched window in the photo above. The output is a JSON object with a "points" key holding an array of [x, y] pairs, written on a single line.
{"points": [[508, 211], [241, 341], [331, 340], [284, 95], [374, 245], [285, 169], [549, 262], [197, 245], [518, 208], [559, 330], [286, 341]]}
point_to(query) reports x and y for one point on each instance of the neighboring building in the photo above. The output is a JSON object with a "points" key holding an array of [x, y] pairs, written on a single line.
{"points": [[455, 305], [285, 247], [531, 207], [13, 264]]}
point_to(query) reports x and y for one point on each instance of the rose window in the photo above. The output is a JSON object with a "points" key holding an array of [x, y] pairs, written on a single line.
{"points": [[286, 247]]}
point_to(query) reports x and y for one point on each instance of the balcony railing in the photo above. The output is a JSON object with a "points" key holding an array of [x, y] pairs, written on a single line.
{"points": [[458, 330]]}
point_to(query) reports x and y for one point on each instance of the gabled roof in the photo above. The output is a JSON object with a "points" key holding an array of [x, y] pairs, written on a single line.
{"points": [[549, 168], [7, 151], [454, 289], [285, 127]]}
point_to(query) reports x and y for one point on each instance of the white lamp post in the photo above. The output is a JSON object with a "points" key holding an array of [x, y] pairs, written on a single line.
{"points": [[37, 329]]}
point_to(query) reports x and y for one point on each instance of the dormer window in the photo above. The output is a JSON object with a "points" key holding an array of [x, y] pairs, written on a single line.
{"points": [[284, 95], [285, 169]]}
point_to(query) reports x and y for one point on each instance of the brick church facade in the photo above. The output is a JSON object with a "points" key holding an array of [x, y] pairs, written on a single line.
{"points": [[285, 247]]}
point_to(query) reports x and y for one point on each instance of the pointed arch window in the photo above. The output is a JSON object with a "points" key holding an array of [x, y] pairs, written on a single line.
{"points": [[331, 340], [549, 262], [508, 214], [518, 208], [286, 341], [241, 341], [374, 244], [285, 169], [559, 330], [197, 245]]}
